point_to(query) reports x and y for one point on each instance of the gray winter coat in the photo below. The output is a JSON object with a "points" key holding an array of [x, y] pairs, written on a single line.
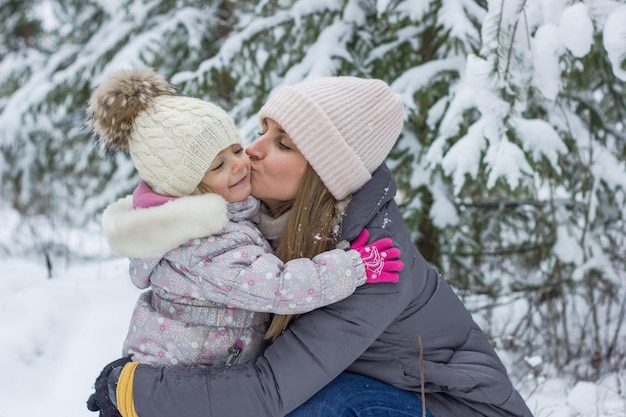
{"points": [[374, 332]]}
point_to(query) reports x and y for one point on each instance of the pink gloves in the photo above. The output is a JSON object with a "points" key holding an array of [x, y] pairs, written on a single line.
{"points": [[381, 260]]}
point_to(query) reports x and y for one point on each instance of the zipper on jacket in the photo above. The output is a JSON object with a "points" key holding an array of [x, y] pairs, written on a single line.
{"points": [[233, 353]]}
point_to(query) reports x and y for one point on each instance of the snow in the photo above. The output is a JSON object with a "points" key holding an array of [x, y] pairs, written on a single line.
{"points": [[321, 59], [583, 400], [539, 137], [414, 9], [567, 248], [442, 211], [58, 333], [614, 38], [547, 48], [420, 77], [464, 156], [453, 15], [576, 30]]}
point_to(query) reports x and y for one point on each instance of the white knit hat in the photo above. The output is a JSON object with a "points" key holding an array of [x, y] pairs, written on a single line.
{"points": [[344, 126], [171, 139]]}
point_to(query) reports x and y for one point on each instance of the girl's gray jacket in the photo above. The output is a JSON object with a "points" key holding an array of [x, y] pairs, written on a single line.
{"points": [[214, 292], [374, 332]]}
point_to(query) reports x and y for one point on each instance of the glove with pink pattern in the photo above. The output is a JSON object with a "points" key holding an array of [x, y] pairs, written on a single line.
{"points": [[380, 258]]}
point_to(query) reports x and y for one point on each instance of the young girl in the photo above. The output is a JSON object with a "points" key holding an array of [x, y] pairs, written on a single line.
{"points": [[210, 298]]}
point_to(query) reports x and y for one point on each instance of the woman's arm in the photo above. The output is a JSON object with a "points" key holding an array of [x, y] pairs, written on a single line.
{"points": [[316, 348]]}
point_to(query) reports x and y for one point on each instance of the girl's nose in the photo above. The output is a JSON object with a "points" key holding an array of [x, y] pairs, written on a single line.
{"points": [[239, 163]]}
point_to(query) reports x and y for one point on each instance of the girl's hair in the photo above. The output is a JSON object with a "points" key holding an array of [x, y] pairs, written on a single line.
{"points": [[203, 189], [310, 231]]}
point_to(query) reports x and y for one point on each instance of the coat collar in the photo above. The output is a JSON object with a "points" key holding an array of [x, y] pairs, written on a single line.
{"points": [[367, 202]]}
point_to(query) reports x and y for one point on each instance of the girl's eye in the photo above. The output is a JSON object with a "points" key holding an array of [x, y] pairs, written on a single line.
{"points": [[218, 166], [238, 150], [282, 146]]}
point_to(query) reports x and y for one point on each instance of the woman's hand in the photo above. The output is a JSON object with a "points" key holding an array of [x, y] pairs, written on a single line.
{"points": [[103, 400], [380, 258]]}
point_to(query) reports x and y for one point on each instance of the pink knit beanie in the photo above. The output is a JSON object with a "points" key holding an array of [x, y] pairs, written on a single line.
{"points": [[344, 126]]}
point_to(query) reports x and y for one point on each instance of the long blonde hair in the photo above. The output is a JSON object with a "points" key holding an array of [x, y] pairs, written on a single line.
{"points": [[310, 231]]}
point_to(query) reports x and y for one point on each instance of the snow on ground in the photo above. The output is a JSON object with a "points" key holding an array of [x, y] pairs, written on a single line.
{"points": [[58, 333]]}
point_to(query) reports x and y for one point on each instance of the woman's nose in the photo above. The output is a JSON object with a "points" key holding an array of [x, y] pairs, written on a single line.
{"points": [[256, 149]]}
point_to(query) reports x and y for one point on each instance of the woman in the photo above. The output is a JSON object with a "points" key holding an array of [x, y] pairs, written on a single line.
{"points": [[182, 319], [318, 168]]}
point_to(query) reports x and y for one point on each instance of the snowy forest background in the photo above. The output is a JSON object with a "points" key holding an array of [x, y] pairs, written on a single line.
{"points": [[511, 166]]}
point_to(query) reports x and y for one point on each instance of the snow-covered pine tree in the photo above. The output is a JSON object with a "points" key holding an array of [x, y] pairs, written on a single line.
{"points": [[419, 47], [51, 169], [531, 148], [20, 25], [510, 167]]}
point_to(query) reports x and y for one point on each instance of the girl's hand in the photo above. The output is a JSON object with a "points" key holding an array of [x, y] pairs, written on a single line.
{"points": [[380, 258]]}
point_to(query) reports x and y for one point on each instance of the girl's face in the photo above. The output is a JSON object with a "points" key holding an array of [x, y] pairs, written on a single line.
{"points": [[278, 167], [229, 174]]}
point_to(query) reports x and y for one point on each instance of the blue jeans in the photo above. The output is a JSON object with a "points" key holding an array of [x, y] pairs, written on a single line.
{"points": [[352, 395]]}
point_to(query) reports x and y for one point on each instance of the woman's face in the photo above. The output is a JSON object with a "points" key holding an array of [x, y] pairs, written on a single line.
{"points": [[278, 167]]}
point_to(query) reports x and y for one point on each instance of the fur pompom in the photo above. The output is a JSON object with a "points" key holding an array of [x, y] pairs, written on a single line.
{"points": [[116, 102]]}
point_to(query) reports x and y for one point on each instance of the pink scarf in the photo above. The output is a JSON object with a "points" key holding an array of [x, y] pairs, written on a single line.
{"points": [[144, 197]]}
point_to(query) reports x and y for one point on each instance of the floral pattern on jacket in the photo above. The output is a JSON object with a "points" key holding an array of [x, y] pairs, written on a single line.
{"points": [[214, 293]]}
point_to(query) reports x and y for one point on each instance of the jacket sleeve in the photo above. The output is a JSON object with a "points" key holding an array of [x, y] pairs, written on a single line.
{"points": [[248, 277], [315, 349]]}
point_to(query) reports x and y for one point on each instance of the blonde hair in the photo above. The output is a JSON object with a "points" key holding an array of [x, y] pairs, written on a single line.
{"points": [[202, 188], [310, 231]]}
